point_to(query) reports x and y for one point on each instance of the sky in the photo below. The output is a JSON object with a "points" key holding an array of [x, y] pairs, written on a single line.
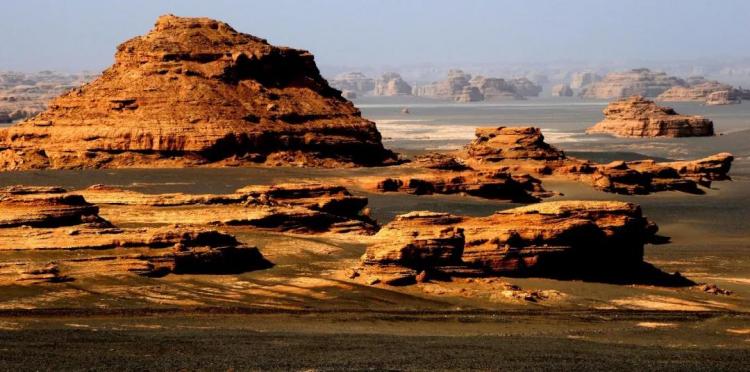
{"points": [[77, 35]]}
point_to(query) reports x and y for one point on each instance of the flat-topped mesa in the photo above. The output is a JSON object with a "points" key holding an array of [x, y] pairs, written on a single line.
{"points": [[494, 144], [566, 239], [49, 219], [639, 117], [194, 91]]}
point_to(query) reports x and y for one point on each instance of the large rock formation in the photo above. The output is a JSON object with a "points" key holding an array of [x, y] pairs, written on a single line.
{"points": [[355, 82], [49, 219], [562, 90], [641, 81], [195, 91], [525, 87], [308, 208], [452, 88], [495, 89], [462, 87], [391, 84], [723, 97], [698, 90], [639, 117], [502, 143], [568, 239], [583, 79]]}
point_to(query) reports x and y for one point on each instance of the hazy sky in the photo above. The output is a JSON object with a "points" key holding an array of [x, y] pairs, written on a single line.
{"points": [[79, 34]]}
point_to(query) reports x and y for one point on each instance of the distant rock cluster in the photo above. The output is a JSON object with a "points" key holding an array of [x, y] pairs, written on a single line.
{"points": [[23, 95], [651, 84], [462, 87], [458, 86]]}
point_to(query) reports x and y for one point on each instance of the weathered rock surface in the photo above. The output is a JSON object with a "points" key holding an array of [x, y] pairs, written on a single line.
{"points": [[298, 208], [639, 117], [698, 91], [722, 97], [355, 82], [462, 87], [452, 88], [194, 91], [501, 143], [525, 87], [562, 90], [566, 239], [521, 188], [57, 222], [391, 84], [583, 79], [641, 82], [495, 89], [504, 163]]}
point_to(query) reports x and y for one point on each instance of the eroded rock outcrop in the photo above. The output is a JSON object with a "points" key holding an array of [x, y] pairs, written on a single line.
{"points": [[49, 219], [462, 87], [583, 79], [194, 91], [639, 117], [391, 84], [510, 162], [723, 97], [641, 82], [23, 95], [698, 91], [308, 208], [566, 239], [355, 82]]}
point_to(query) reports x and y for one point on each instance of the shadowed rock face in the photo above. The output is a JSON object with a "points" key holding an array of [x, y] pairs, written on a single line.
{"points": [[639, 117], [568, 239], [49, 219], [194, 91]]}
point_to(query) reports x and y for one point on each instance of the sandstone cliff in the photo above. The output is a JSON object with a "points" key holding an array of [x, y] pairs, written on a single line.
{"points": [[462, 87], [194, 91], [583, 79], [639, 117]]}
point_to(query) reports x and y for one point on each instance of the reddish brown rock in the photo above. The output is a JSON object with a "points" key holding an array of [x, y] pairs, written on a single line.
{"points": [[501, 143], [310, 208], [567, 239], [639, 117], [55, 221], [723, 97], [194, 91]]}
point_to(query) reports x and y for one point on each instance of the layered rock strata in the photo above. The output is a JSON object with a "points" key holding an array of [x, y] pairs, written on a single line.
{"points": [[722, 97], [54, 221], [462, 87], [567, 239], [307, 208], [639, 117], [355, 82], [699, 91], [193, 91]]}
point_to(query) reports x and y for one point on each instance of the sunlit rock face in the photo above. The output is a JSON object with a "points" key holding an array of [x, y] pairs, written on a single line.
{"points": [[194, 91], [639, 117]]}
